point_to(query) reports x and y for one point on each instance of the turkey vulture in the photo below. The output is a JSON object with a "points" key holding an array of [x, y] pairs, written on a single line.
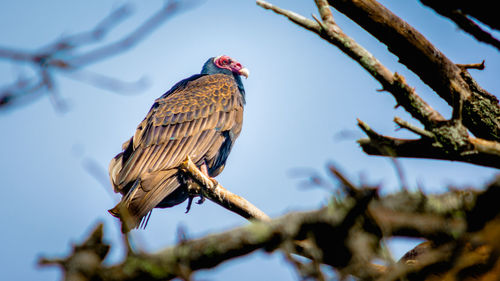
{"points": [[200, 117]]}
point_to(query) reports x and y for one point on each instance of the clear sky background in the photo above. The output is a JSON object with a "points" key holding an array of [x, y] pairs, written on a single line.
{"points": [[302, 92]]}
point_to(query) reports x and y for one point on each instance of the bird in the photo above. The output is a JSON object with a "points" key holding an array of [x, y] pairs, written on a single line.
{"points": [[200, 117]]}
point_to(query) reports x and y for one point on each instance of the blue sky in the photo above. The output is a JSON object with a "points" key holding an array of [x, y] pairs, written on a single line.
{"points": [[302, 92]]}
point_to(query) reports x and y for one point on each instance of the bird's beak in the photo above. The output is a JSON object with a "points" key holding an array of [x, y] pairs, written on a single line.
{"points": [[244, 72]]}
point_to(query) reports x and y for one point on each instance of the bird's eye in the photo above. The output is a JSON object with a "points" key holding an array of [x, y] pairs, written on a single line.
{"points": [[223, 61]]}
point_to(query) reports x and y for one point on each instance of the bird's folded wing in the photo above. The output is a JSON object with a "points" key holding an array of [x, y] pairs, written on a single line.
{"points": [[186, 122]]}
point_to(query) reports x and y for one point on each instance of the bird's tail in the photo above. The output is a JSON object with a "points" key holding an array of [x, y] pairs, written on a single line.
{"points": [[124, 213], [114, 211], [135, 207], [128, 221]]}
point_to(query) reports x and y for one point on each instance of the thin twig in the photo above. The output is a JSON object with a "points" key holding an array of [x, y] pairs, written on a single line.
{"points": [[294, 17], [404, 124], [400, 173], [326, 13], [349, 188], [479, 66]]}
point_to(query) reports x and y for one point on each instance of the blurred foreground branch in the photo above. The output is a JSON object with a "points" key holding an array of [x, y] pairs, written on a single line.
{"points": [[64, 56], [345, 235]]}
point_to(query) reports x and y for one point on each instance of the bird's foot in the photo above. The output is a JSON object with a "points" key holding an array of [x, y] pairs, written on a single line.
{"points": [[204, 170], [215, 182], [190, 201]]}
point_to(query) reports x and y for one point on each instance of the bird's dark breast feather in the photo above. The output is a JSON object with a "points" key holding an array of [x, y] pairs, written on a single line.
{"points": [[196, 120]]}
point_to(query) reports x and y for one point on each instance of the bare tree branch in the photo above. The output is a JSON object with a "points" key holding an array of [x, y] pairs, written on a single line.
{"points": [[170, 8], [479, 152], [212, 190], [459, 11], [393, 83], [63, 56], [441, 139], [450, 82]]}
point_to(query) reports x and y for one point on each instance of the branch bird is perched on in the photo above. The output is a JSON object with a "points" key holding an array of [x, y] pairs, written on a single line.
{"points": [[200, 117]]}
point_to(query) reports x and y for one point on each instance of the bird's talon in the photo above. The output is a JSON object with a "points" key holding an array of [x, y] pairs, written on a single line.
{"points": [[215, 182], [190, 201], [201, 200]]}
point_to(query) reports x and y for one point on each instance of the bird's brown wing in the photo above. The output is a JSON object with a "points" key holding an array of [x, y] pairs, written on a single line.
{"points": [[190, 121]]}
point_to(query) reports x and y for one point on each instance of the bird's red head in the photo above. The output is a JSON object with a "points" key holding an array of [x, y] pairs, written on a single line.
{"points": [[234, 66]]}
